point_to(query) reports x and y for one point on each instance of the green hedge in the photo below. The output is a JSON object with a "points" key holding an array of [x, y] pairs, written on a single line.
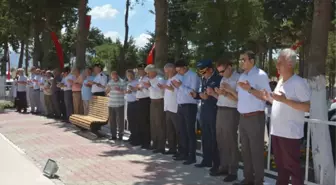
{"points": [[6, 104]]}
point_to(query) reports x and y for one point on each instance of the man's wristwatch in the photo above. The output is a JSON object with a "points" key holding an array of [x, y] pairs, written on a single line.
{"points": [[250, 90]]}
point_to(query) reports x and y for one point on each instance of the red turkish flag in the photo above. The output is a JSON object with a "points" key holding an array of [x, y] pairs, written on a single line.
{"points": [[297, 45], [150, 58], [58, 48]]}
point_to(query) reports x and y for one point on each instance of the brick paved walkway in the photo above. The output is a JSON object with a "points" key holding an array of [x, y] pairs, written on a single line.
{"points": [[86, 161]]}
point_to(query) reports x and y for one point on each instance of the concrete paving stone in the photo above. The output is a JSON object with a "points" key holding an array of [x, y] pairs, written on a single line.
{"points": [[86, 161]]}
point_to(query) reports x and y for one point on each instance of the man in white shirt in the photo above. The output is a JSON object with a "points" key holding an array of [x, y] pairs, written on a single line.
{"points": [[36, 92], [99, 82], [130, 97], [170, 108], [21, 91], [290, 100], [143, 106], [67, 87], [157, 116], [41, 84], [227, 121], [30, 85], [251, 105]]}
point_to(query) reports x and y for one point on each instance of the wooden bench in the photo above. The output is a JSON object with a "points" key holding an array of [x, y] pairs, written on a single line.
{"points": [[97, 116]]}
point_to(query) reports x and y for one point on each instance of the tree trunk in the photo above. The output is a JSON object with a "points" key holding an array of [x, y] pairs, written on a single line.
{"points": [[321, 142], [46, 43], [37, 48], [161, 28], [27, 57], [270, 60], [22, 47], [4, 60], [122, 64], [82, 35], [302, 61]]}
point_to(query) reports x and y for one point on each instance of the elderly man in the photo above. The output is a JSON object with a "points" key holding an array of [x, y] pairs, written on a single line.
{"points": [[41, 83], [48, 94], [67, 87], [31, 89], [36, 92], [210, 81], [130, 97], [187, 110], [21, 91], [57, 99], [251, 106], [227, 121], [143, 107], [157, 116], [290, 99], [170, 107], [115, 90]]}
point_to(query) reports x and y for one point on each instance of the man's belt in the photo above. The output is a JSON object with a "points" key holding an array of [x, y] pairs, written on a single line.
{"points": [[224, 107], [145, 98], [253, 113], [157, 100]]}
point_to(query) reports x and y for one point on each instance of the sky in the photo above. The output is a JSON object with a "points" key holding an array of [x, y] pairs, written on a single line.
{"points": [[109, 16]]}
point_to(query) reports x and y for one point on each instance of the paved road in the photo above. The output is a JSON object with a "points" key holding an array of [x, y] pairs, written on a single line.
{"points": [[86, 161], [16, 169]]}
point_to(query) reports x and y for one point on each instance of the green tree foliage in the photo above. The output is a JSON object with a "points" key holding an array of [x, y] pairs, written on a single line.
{"points": [[108, 54]]}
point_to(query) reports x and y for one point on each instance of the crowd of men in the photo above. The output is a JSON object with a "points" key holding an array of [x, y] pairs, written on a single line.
{"points": [[162, 110]]}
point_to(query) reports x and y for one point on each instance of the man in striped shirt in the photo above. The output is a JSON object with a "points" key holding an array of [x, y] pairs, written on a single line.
{"points": [[115, 90]]}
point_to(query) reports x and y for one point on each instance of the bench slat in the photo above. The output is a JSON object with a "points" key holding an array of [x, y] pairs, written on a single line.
{"points": [[98, 113]]}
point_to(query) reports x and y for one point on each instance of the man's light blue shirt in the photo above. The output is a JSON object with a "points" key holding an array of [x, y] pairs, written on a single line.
{"points": [[86, 91], [190, 82]]}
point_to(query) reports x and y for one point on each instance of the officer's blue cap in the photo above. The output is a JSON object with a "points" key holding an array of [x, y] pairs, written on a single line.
{"points": [[206, 63]]}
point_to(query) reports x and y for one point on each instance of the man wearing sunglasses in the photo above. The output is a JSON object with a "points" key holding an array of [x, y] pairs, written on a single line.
{"points": [[227, 121], [210, 80]]}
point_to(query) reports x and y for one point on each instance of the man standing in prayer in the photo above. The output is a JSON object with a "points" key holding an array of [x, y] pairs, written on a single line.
{"points": [[99, 82], [115, 90], [227, 121], [30, 85], [251, 106], [143, 106], [57, 98], [170, 107], [86, 89], [21, 91], [290, 100], [210, 81], [157, 116], [36, 92], [48, 94], [187, 110], [130, 97]]}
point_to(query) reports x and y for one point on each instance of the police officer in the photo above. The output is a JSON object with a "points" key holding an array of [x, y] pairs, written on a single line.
{"points": [[99, 82], [210, 80]]}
